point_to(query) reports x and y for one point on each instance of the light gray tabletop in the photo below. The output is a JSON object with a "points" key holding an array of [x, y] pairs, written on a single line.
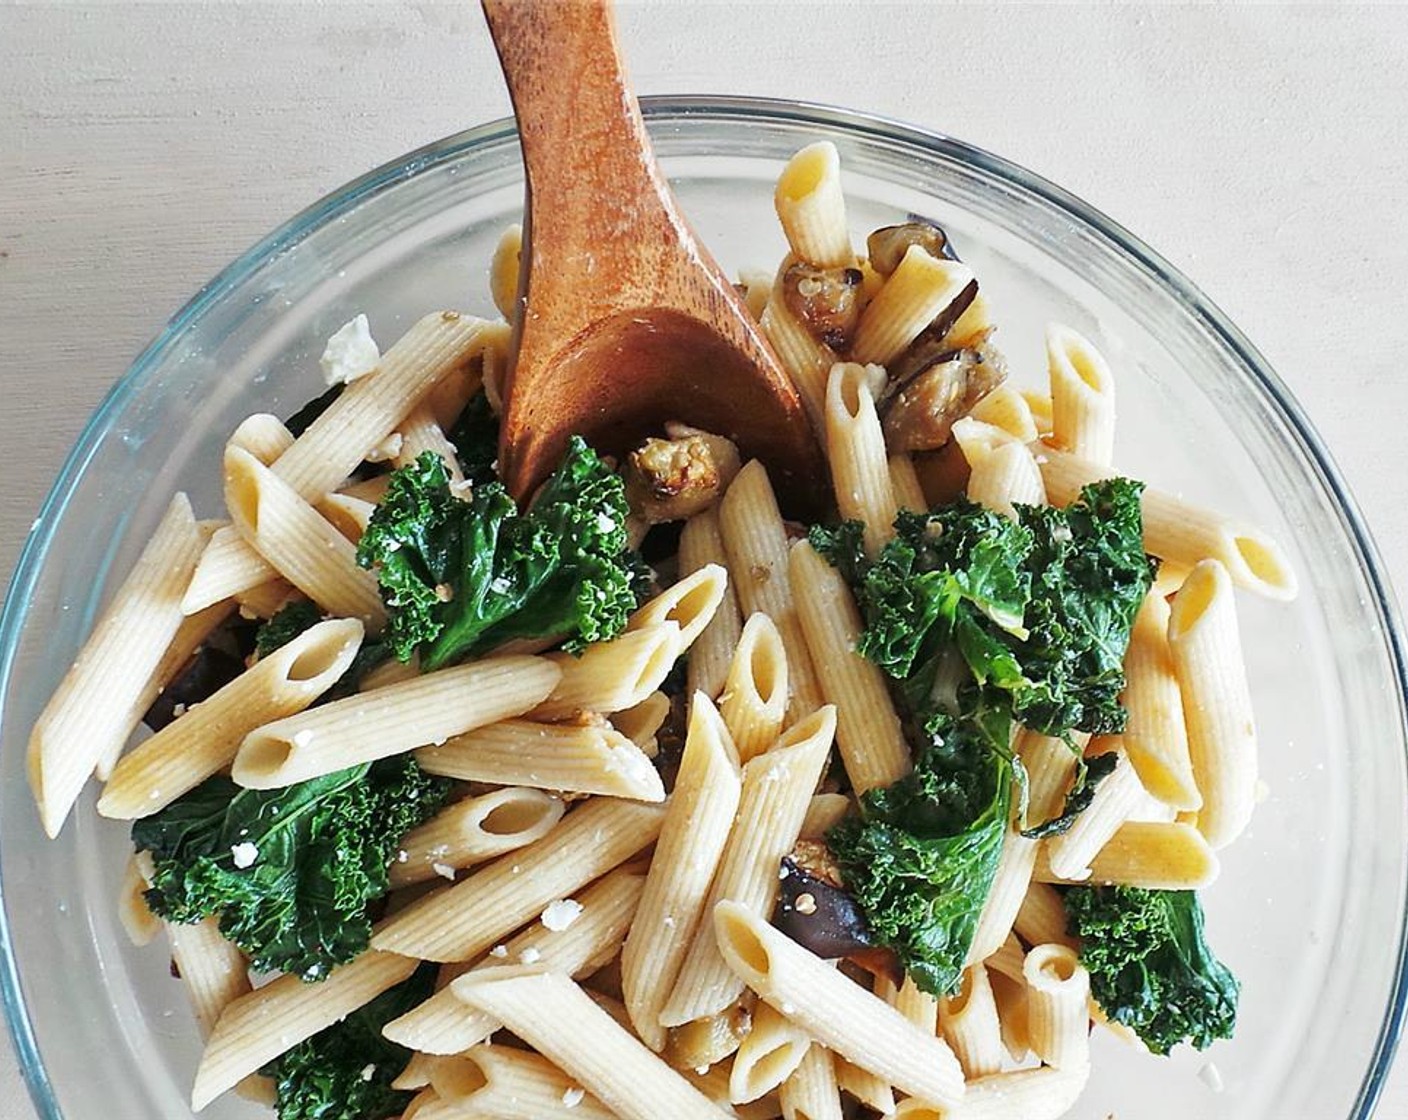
{"points": [[1264, 151]]}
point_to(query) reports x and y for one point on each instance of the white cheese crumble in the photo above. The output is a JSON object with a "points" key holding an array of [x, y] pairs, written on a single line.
{"points": [[350, 353], [572, 1097], [499, 952], [444, 870], [244, 855], [559, 915], [302, 738], [387, 449], [529, 955], [368, 1072], [1211, 1077]]}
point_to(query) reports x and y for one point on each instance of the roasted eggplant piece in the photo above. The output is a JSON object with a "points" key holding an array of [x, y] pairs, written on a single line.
{"points": [[887, 246], [824, 300], [923, 402], [675, 478], [814, 910]]}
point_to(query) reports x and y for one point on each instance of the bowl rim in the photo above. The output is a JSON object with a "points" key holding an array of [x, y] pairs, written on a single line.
{"points": [[661, 110]]}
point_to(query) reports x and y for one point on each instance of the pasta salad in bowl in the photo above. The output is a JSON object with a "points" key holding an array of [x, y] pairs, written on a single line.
{"points": [[1058, 771]]}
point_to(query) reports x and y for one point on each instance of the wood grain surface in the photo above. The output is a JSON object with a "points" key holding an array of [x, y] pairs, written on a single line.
{"points": [[1264, 151]]}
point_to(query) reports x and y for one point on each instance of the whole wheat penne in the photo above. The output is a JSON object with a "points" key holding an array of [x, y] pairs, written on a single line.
{"points": [[767, 1056], [1179, 531], [873, 1091], [1042, 918], [1058, 991], [228, 566], [1042, 1093], [868, 731], [1006, 408], [860, 472], [443, 1024], [702, 544], [756, 543], [1206, 649], [904, 482], [776, 790], [754, 699], [806, 358], [811, 1092], [835, 1012], [913, 296], [1116, 798], [824, 811], [1155, 856], [298, 542], [461, 921], [391, 720], [609, 676], [202, 741], [474, 830], [692, 839], [95, 708], [812, 208], [511, 1084], [1082, 396], [589, 757], [421, 432], [689, 602], [213, 971], [558, 1019], [241, 1042], [969, 1022], [138, 921], [504, 270]]}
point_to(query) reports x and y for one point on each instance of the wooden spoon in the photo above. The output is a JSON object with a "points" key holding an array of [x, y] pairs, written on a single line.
{"points": [[624, 320]]}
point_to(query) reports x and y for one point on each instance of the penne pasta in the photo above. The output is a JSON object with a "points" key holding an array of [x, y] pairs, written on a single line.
{"points": [[588, 757], [904, 482], [767, 1056], [834, 1011], [228, 566], [560, 1021], [445, 1025], [756, 544], [690, 603], [1206, 650], [1082, 396], [913, 296], [702, 544], [1009, 410], [812, 209], [860, 472], [298, 542], [101, 699], [504, 271], [1182, 533], [510, 1084], [692, 839], [457, 923], [776, 790], [138, 921], [969, 1023], [241, 1043], [868, 731], [203, 741], [213, 971], [806, 359], [811, 1091], [421, 432], [1155, 856], [1042, 918], [1042, 1093], [610, 676], [754, 699], [472, 831], [1058, 992], [391, 720]]}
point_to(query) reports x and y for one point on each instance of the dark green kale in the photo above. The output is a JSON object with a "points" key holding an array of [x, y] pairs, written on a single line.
{"points": [[461, 577], [922, 859], [980, 622], [344, 1072], [290, 621], [1078, 800], [303, 419], [476, 438], [286, 624], [288, 872], [1150, 965]]}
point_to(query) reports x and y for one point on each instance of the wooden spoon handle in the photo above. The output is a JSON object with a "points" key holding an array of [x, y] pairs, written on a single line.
{"points": [[585, 147]]}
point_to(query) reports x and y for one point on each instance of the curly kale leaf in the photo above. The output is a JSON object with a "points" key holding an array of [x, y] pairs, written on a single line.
{"points": [[344, 1072], [286, 624], [461, 577], [1150, 965], [288, 872], [475, 436], [921, 859]]}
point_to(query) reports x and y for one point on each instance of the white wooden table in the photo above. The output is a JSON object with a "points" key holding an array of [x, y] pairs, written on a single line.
{"points": [[1263, 151]]}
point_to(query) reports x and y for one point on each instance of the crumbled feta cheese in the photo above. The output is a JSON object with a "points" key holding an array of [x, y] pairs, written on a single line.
{"points": [[402, 856], [572, 1097], [501, 585], [529, 955], [560, 914], [387, 449], [444, 870], [244, 855], [1211, 1077], [605, 523], [302, 738], [368, 1072], [499, 951], [178, 710], [350, 353]]}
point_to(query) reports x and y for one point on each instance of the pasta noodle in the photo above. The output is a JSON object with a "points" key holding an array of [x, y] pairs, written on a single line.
{"points": [[510, 1084], [473, 830], [1082, 396], [391, 720], [1155, 856], [96, 707], [914, 295], [1058, 992], [692, 839], [767, 1056], [701, 544], [860, 472], [754, 700], [969, 1023], [812, 209], [811, 1092], [610, 676]]}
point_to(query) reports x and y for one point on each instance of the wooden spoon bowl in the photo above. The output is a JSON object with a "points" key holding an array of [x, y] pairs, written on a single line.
{"points": [[624, 320]]}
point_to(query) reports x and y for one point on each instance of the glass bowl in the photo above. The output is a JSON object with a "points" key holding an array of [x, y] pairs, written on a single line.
{"points": [[1309, 910]]}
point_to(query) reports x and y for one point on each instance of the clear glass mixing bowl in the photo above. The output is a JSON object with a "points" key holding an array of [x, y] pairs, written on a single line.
{"points": [[1309, 910]]}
